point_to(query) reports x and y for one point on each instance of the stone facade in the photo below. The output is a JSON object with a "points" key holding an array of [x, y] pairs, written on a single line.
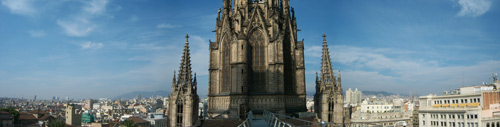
{"points": [[183, 99], [329, 100], [256, 62], [73, 115], [362, 119]]}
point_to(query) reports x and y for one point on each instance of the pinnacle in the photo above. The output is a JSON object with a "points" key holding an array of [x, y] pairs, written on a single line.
{"points": [[185, 66], [324, 37]]}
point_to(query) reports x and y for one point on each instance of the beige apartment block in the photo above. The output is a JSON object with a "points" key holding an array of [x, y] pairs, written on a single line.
{"points": [[472, 106]]}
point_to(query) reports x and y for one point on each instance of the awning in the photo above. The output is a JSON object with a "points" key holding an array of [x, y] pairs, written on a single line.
{"points": [[474, 104], [436, 105], [463, 105]]}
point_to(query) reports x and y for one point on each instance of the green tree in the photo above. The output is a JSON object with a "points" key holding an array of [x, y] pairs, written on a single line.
{"points": [[129, 123], [56, 123], [12, 111]]}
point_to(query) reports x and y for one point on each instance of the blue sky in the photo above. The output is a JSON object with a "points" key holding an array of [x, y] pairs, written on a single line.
{"points": [[104, 48]]}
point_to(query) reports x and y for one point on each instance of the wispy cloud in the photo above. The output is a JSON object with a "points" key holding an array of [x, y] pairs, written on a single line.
{"points": [[82, 24], [166, 26], [77, 27], [133, 18], [401, 70], [96, 6], [473, 8], [21, 7], [91, 45], [314, 51], [37, 33]]}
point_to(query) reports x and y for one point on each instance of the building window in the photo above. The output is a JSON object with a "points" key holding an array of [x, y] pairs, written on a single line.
{"points": [[180, 110], [226, 65], [257, 60], [330, 110]]}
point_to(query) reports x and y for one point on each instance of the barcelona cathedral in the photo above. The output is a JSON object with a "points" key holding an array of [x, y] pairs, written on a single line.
{"points": [[256, 64]]}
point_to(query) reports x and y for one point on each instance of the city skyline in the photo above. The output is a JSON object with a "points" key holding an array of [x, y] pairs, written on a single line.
{"points": [[92, 49]]}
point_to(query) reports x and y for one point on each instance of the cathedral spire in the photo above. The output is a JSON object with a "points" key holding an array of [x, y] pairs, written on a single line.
{"points": [[327, 75], [184, 77], [339, 83], [173, 82]]}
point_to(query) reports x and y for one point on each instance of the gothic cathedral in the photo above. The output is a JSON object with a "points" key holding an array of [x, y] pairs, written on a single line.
{"points": [[183, 99], [256, 62], [329, 100]]}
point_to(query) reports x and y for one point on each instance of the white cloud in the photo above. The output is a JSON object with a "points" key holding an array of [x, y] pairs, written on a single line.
{"points": [[166, 26], [82, 24], [77, 27], [399, 71], [96, 6], [473, 8], [91, 45], [314, 51], [134, 18], [22, 7], [199, 55], [37, 33]]}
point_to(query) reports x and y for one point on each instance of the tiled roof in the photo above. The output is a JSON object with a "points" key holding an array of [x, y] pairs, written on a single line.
{"points": [[46, 117], [37, 112], [25, 116], [137, 120], [5, 116]]}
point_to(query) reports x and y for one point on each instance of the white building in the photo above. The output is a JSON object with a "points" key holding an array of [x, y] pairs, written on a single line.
{"points": [[353, 97], [473, 106], [376, 106]]}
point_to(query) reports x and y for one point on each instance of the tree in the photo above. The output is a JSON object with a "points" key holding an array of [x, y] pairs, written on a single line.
{"points": [[129, 123], [12, 111], [56, 123]]}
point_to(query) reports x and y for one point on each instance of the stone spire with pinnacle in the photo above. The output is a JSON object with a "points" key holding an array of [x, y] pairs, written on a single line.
{"points": [[184, 78], [327, 75], [329, 97], [183, 95]]}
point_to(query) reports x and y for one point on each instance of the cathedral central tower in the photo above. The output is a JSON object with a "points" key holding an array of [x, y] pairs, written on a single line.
{"points": [[256, 62]]}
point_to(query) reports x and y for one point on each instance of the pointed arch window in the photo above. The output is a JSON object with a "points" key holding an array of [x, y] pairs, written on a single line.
{"points": [[226, 65], [180, 110], [331, 106], [257, 61]]}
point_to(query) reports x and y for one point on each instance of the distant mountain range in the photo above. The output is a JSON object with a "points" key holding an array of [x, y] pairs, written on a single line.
{"points": [[143, 94], [376, 93], [365, 93]]}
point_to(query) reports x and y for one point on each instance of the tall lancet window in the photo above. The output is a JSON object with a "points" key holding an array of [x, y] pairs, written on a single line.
{"points": [[226, 65], [331, 105], [180, 110], [257, 60]]}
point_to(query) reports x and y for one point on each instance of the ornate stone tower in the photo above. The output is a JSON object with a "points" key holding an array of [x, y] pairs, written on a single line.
{"points": [[328, 100], [256, 62], [183, 99]]}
